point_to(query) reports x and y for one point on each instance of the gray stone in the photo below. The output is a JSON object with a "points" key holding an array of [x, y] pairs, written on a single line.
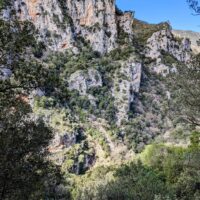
{"points": [[58, 27], [164, 41], [84, 80], [5, 73], [127, 84]]}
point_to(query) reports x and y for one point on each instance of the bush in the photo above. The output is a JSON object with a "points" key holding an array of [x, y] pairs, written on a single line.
{"points": [[179, 166], [132, 181]]}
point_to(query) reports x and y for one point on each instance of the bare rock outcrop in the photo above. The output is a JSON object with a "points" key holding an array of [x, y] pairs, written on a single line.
{"points": [[193, 36], [60, 23], [95, 19], [164, 40], [127, 84], [50, 20], [82, 81], [125, 22]]}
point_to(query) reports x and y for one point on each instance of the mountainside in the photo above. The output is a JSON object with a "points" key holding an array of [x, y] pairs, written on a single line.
{"points": [[105, 107], [193, 36], [107, 94], [61, 23]]}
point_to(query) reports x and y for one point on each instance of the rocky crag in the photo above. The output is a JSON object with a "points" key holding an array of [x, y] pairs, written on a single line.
{"points": [[60, 23], [194, 37]]}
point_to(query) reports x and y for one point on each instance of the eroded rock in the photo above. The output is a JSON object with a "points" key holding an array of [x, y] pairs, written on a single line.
{"points": [[127, 84], [82, 81], [164, 40]]}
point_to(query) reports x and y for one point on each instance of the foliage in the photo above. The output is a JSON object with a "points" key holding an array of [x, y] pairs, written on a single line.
{"points": [[93, 185], [164, 172], [186, 83], [64, 9], [104, 104], [4, 3], [25, 171], [194, 5], [127, 182], [168, 59], [77, 158], [67, 63], [96, 135], [121, 53], [143, 30], [62, 65], [148, 113], [179, 166], [24, 167], [15, 38]]}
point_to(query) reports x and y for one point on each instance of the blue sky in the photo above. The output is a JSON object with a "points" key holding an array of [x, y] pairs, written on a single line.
{"points": [[155, 11]]}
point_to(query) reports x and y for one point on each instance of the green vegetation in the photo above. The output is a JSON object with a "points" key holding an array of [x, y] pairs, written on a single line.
{"points": [[143, 30], [25, 170], [62, 65], [146, 119], [84, 124], [133, 181], [76, 158], [180, 166], [104, 104], [168, 59], [4, 3], [121, 53], [164, 172], [187, 83], [64, 9], [67, 63], [96, 135]]}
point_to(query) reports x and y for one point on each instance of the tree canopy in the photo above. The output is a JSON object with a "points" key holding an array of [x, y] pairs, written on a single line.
{"points": [[194, 5], [25, 170]]}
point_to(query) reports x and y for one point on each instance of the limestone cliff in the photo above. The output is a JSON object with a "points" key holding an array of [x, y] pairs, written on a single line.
{"points": [[127, 84], [95, 19], [61, 22], [164, 40], [83, 81], [193, 36], [50, 20]]}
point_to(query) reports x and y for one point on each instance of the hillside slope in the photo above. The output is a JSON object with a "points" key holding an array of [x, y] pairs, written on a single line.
{"points": [[193, 36], [108, 95]]}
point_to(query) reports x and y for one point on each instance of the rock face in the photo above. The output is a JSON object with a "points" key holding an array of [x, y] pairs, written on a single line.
{"points": [[161, 68], [164, 41], [50, 21], [82, 81], [95, 19], [65, 140], [5, 73], [125, 22], [127, 84], [193, 36], [61, 22], [62, 145]]}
